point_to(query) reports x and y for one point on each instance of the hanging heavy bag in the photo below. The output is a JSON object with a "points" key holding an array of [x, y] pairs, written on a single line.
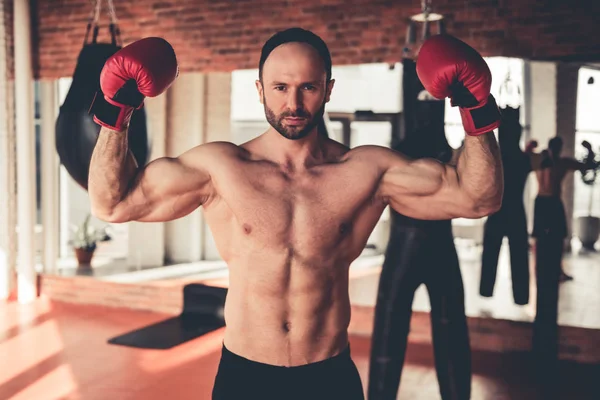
{"points": [[424, 132], [76, 131]]}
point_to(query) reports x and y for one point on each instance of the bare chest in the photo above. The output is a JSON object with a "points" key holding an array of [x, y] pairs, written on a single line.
{"points": [[307, 214]]}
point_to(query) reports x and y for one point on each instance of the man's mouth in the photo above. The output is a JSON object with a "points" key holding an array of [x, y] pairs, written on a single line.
{"points": [[294, 120]]}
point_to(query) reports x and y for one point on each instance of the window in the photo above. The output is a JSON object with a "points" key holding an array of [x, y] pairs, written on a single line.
{"points": [[507, 89], [587, 127]]}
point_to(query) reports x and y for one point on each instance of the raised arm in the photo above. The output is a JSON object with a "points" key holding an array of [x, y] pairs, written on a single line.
{"points": [[427, 189], [163, 190], [588, 163], [119, 190], [430, 190], [543, 160], [536, 160], [572, 164]]}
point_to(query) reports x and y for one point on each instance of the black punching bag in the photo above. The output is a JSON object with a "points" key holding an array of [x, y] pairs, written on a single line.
{"points": [[420, 252], [76, 131], [424, 131]]}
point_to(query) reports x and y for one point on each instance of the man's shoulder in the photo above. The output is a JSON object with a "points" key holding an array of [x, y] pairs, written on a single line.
{"points": [[210, 154], [367, 151], [375, 155], [218, 149]]}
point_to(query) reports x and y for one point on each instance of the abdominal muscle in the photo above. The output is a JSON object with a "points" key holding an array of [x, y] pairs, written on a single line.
{"points": [[284, 312]]}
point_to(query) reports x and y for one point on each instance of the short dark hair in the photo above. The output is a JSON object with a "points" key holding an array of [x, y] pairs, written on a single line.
{"points": [[555, 144], [298, 35]]}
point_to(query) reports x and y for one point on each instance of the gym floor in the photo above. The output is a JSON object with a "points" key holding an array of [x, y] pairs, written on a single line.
{"points": [[52, 350], [579, 304]]}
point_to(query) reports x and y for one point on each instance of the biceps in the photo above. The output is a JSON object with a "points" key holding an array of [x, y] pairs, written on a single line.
{"points": [[420, 178], [438, 206], [428, 191], [164, 190], [169, 209]]}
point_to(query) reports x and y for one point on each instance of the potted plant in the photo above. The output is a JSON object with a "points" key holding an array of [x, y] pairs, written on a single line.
{"points": [[588, 227], [85, 241]]}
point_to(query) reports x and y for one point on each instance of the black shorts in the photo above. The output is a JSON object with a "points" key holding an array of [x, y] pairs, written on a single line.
{"points": [[239, 379], [549, 219]]}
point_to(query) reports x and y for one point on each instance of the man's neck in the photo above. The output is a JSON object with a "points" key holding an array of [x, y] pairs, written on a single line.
{"points": [[295, 155]]}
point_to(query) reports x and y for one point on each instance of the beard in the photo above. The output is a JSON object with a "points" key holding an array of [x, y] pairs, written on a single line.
{"points": [[294, 132]]}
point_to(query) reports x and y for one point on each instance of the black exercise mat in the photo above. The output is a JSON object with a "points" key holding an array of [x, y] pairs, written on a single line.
{"points": [[170, 332], [202, 313]]}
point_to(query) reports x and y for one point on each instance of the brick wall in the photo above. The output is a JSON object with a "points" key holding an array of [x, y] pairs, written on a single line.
{"points": [[223, 35]]}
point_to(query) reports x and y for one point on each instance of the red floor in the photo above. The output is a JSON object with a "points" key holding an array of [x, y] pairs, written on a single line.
{"points": [[59, 351]]}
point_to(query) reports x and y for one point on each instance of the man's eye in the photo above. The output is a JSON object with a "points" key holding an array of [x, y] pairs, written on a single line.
{"points": [[280, 88], [309, 87]]}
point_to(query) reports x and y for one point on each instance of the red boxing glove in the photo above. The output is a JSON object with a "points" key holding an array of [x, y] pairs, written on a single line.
{"points": [[448, 67], [145, 68], [532, 144]]}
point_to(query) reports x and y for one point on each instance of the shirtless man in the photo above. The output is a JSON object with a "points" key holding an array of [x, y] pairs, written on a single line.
{"points": [[549, 213], [290, 210]]}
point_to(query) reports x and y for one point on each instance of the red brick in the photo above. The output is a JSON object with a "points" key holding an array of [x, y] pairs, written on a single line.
{"points": [[361, 31]]}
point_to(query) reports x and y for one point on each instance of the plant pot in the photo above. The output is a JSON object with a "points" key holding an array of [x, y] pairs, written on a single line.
{"points": [[84, 257], [588, 231]]}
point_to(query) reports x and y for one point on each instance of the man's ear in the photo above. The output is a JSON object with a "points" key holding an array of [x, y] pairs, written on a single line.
{"points": [[259, 88], [329, 89]]}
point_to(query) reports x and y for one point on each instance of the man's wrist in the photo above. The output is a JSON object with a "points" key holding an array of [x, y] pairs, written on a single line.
{"points": [[481, 119], [110, 114]]}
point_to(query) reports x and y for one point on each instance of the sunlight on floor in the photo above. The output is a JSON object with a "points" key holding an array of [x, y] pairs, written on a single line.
{"points": [[59, 382], [159, 361], [23, 316], [35, 360]]}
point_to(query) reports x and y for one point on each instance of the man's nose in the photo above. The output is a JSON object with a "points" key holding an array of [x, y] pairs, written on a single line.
{"points": [[294, 99]]}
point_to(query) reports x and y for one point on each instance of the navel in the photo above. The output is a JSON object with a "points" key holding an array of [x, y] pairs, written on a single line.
{"points": [[287, 326], [247, 229]]}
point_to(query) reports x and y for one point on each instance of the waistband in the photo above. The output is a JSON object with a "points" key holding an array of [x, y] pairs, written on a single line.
{"points": [[229, 356]]}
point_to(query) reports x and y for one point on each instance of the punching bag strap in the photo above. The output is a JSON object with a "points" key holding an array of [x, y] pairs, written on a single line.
{"points": [[93, 22], [114, 30]]}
